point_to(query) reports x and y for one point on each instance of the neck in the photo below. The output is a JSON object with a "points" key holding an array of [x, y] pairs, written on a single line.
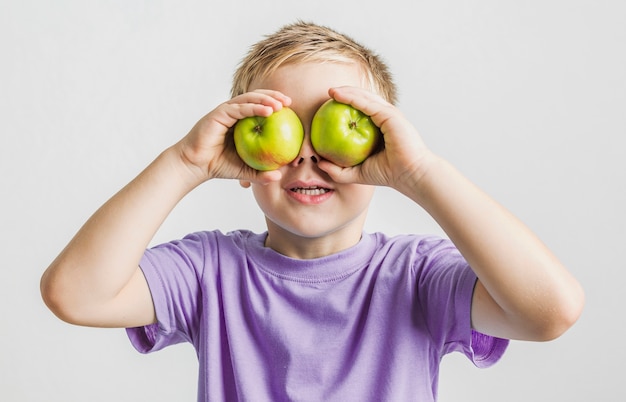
{"points": [[308, 247]]}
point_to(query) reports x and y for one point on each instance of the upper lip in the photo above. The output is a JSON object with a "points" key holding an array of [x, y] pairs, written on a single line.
{"points": [[310, 184]]}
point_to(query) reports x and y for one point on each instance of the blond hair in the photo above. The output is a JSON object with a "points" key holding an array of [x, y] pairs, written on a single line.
{"points": [[308, 42]]}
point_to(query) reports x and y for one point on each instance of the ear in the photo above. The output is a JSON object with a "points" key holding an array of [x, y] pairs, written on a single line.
{"points": [[244, 184]]}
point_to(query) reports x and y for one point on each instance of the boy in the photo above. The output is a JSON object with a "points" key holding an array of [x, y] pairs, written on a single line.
{"points": [[314, 309]]}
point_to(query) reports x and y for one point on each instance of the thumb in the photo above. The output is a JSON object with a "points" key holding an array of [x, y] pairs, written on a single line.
{"points": [[267, 177], [340, 174]]}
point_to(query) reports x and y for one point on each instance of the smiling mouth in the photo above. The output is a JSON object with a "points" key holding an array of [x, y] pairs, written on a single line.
{"points": [[314, 190]]}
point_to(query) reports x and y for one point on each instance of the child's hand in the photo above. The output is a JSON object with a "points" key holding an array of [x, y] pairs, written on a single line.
{"points": [[510, 262], [404, 158], [209, 151]]}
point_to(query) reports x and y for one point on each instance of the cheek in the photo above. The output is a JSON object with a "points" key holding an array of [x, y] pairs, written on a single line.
{"points": [[264, 195], [362, 194], [353, 199]]}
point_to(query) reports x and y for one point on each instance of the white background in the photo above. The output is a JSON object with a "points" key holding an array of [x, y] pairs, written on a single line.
{"points": [[527, 98]]}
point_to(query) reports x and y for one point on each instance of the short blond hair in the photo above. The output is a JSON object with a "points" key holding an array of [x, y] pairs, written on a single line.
{"points": [[308, 42]]}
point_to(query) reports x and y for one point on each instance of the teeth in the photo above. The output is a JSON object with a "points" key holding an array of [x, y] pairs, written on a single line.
{"points": [[310, 190]]}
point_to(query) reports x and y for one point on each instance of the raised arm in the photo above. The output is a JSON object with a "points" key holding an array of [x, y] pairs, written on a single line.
{"points": [[523, 291], [96, 280]]}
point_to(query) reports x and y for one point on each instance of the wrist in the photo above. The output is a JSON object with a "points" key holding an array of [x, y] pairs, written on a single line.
{"points": [[415, 181], [184, 174], [440, 188]]}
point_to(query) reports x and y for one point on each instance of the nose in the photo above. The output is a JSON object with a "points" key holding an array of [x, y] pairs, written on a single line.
{"points": [[306, 153], [299, 161]]}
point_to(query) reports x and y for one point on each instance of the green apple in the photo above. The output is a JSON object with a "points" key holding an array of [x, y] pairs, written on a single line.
{"points": [[343, 134], [267, 143]]}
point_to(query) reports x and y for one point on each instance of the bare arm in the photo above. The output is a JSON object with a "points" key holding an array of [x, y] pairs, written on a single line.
{"points": [[523, 291], [96, 280]]}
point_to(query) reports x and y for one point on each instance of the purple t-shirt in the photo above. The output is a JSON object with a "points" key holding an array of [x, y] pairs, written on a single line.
{"points": [[370, 323]]}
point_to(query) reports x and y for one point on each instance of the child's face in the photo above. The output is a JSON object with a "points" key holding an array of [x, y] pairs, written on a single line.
{"points": [[306, 208]]}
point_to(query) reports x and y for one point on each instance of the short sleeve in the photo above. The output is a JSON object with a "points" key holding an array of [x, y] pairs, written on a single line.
{"points": [[445, 290], [485, 350], [173, 272]]}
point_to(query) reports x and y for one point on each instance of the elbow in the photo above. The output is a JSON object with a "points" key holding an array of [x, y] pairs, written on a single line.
{"points": [[50, 295], [561, 315], [56, 299]]}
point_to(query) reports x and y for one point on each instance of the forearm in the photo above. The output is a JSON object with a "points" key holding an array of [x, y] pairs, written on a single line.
{"points": [[519, 273], [488, 236], [103, 256], [96, 279], [523, 291]]}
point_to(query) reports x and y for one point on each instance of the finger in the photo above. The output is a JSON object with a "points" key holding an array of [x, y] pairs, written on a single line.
{"points": [[267, 176], [284, 99], [357, 96], [267, 97], [240, 111], [368, 102], [257, 103], [228, 114], [339, 174], [249, 175]]}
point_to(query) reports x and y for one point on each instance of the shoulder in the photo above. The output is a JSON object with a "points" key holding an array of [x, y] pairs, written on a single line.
{"points": [[201, 249], [214, 239], [415, 245], [422, 258]]}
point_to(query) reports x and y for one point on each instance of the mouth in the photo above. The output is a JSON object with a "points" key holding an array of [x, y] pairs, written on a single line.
{"points": [[311, 191]]}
